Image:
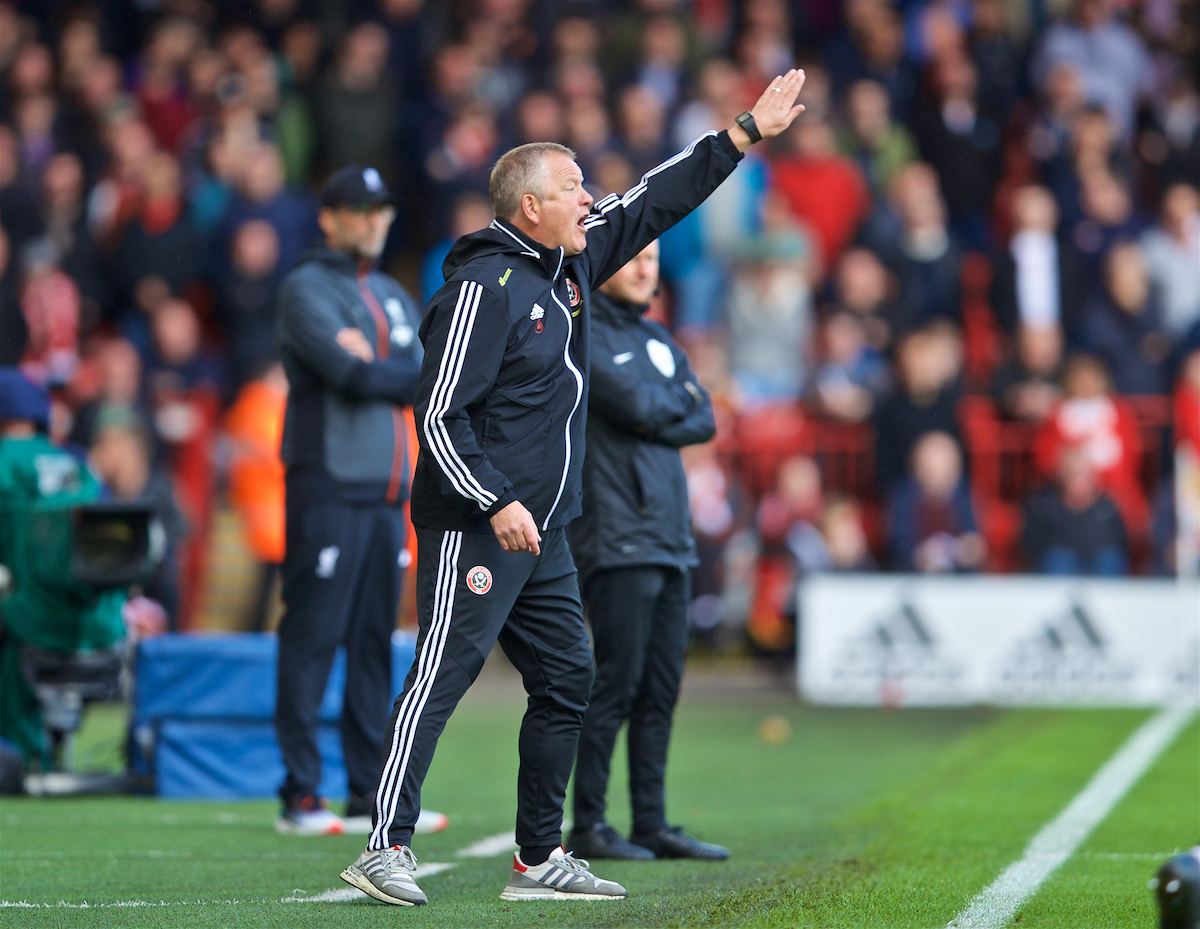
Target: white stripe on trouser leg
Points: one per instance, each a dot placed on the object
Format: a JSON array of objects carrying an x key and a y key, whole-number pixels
[
  {"x": 391, "y": 779},
  {"x": 422, "y": 660}
]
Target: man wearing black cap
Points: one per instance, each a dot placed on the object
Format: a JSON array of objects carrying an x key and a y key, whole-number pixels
[{"x": 348, "y": 335}]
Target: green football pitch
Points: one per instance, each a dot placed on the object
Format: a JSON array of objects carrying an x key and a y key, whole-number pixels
[{"x": 843, "y": 818}]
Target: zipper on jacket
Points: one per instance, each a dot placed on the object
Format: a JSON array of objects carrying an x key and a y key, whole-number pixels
[
  {"x": 578, "y": 396},
  {"x": 383, "y": 337}
]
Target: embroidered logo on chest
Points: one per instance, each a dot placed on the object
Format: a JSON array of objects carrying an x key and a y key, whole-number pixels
[
  {"x": 572, "y": 294},
  {"x": 536, "y": 315}
]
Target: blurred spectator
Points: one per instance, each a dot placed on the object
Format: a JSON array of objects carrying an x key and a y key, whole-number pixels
[
  {"x": 998, "y": 57},
  {"x": 844, "y": 536},
  {"x": 1049, "y": 137},
  {"x": 1172, "y": 253},
  {"x": 540, "y": 118},
  {"x": 864, "y": 287},
  {"x": 178, "y": 363},
  {"x": 879, "y": 145},
  {"x": 121, "y": 456},
  {"x": 1027, "y": 387},
  {"x": 17, "y": 204},
  {"x": 1036, "y": 282},
  {"x": 853, "y": 375},
  {"x": 472, "y": 212},
  {"x": 641, "y": 127},
  {"x": 159, "y": 82},
  {"x": 825, "y": 190},
  {"x": 928, "y": 364},
  {"x": 962, "y": 143},
  {"x": 769, "y": 313},
  {"x": 14, "y": 332},
  {"x": 67, "y": 230},
  {"x": 872, "y": 46},
  {"x": 931, "y": 525},
  {"x": 356, "y": 103},
  {"x": 1107, "y": 218},
  {"x": 160, "y": 241},
  {"x": 50, "y": 304},
  {"x": 1072, "y": 527},
  {"x": 263, "y": 195},
  {"x": 1174, "y": 141},
  {"x": 118, "y": 382},
  {"x": 1100, "y": 426},
  {"x": 246, "y": 298},
  {"x": 927, "y": 259},
  {"x": 1109, "y": 56},
  {"x": 1123, "y": 325}
]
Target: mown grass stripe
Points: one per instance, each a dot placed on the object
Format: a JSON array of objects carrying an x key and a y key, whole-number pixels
[{"x": 995, "y": 907}]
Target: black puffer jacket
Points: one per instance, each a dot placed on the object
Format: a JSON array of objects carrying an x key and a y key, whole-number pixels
[
  {"x": 502, "y": 400},
  {"x": 645, "y": 404}
]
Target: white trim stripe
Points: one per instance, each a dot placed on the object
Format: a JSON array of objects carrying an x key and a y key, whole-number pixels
[
  {"x": 578, "y": 396},
  {"x": 996, "y": 906},
  {"x": 525, "y": 249},
  {"x": 391, "y": 780},
  {"x": 436, "y": 434},
  {"x": 640, "y": 188}
]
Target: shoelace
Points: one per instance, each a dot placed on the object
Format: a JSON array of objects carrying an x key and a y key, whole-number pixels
[
  {"x": 399, "y": 854},
  {"x": 569, "y": 862}
]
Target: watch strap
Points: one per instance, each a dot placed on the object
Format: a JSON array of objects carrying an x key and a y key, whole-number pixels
[{"x": 746, "y": 121}]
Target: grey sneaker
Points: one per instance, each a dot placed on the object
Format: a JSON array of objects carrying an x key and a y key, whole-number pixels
[
  {"x": 387, "y": 875},
  {"x": 561, "y": 877}
]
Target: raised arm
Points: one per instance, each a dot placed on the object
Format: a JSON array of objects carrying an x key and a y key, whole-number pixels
[{"x": 620, "y": 227}]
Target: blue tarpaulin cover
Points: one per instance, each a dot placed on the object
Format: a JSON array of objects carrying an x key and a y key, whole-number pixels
[{"x": 203, "y": 710}]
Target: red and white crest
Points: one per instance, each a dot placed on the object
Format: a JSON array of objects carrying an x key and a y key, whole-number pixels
[
  {"x": 572, "y": 293},
  {"x": 479, "y": 580}
]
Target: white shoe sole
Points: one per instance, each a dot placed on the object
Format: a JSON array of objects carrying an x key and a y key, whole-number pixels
[
  {"x": 284, "y": 827},
  {"x": 356, "y": 878},
  {"x": 556, "y": 895}
]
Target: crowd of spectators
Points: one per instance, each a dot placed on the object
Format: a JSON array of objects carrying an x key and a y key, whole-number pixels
[{"x": 157, "y": 167}]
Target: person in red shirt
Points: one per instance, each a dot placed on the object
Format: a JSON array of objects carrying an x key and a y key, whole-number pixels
[
  {"x": 1098, "y": 423},
  {"x": 825, "y": 190}
]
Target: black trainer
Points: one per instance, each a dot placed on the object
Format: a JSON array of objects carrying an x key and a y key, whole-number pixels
[
  {"x": 603, "y": 841},
  {"x": 670, "y": 842}
]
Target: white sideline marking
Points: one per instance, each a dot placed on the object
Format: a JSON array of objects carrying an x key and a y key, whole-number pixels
[
  {"x": 995, "y": 906},
  {"x": 492, "y": 845}
]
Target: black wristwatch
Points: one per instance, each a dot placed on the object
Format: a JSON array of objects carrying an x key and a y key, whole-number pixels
[{"x": 746, "y": 121}]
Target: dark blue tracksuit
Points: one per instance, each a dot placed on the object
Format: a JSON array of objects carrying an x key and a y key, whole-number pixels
[
  {"x": 347, "y": 476},
  {"x": 635, "y": 549},
  {"x": 501, "y": 413}
]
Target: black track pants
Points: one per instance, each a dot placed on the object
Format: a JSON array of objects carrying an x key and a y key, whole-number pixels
[
  {"x": 471, "y": 593},
  {"x": 341, "y": 586},
  {"x": 639, "y": 631}
]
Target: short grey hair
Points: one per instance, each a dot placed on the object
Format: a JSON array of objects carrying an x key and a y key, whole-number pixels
[{"x": 520, "y": 171}]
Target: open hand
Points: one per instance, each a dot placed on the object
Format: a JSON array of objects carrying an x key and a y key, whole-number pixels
[
  {"x": 353, "y": 341},
  {"x": 775, "y": 109},
  {"x": 515, "y": 529}
]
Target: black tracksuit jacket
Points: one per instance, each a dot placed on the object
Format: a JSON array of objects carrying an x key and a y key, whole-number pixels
[
  {"x": 502, "y": 400},
  {"x": 343, "y": 436},
  {"x": 635, "y": 502}
]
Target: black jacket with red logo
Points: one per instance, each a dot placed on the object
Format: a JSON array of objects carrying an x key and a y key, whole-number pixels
[
  {"x": 343, "y": 435},
  {"x": 501, "y": 404}
]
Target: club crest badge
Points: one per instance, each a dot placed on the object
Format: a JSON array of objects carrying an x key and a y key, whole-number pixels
[
  {"x": 572, "y": 293},
  {"x": 479, "y": 580}
]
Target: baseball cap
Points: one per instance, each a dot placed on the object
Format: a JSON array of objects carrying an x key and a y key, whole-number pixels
[
  {"x": 20, "y": 398},
  {"x": 355, "y": 185}
]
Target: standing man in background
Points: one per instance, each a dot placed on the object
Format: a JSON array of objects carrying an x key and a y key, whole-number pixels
[
  {"x": 349, "y": 338},
  {"x": 635, "y": 550},
  {"x": 501, "y": 411}
]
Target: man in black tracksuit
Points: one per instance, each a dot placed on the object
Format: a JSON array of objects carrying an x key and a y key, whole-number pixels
[
  {"x": 634, "y": 548},
  {"x": 501, "y": 409},
  {"x": 348, "y": 334}
]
